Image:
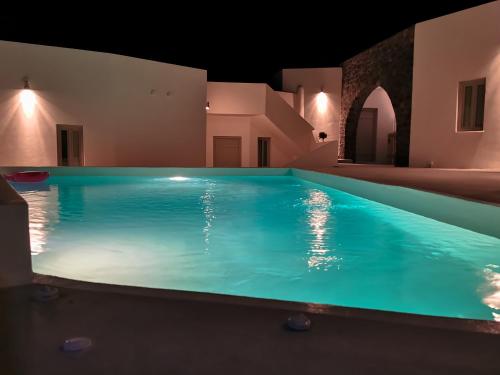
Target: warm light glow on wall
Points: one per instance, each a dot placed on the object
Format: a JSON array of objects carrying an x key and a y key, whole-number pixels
[
  {"x": 322, "y": 102},
  {"x": 28, "y": 98},
  {"x": 28, "y": 102}
]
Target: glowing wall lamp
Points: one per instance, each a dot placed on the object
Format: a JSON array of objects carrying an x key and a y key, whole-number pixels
[
  {"x": 28, "y": 99},
  {"x": 207, "y": 107},
  {"x": 322, "y": 101}
]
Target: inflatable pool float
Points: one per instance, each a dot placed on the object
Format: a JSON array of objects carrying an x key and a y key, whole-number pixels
[{"x": 28, "y": 176}]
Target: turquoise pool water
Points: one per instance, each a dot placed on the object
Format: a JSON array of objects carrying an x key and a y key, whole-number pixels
[{"x": 277, "y": 237}]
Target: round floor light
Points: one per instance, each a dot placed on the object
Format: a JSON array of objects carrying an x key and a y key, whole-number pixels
[
  {"x": 76, "y": 344},
  {"x": 44, "y": 293},
  {"x": 298, "y": 322}
]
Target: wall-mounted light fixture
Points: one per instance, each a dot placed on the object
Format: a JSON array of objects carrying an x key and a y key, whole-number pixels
[
  {"x": 26, "y": 83},
  {"x": 28, "y": 98},
  {"x": 322, "y": 101},
  {"x": 207, "y": 107}
]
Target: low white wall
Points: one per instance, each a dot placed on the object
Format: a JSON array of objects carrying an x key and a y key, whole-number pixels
[
  {"x": 15, "y": 254},
  {"x": 458, "y": 47},
  {"x": 133, "y": 112},
  {"x": 478, "y": 217},
  {"x": 324, "y": 155}
]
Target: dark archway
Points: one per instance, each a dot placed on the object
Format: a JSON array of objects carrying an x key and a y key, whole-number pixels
[{"x": 389, "y": 65}]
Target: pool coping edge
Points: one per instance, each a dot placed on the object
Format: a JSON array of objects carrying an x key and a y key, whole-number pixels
[{"x": 382, "y": 316}]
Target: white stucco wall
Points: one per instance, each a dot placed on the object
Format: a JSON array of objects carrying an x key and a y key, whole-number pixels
[
  {"x": 250, "y": 128},
  {"x": 458, "y": 47},
  {"x": 288, "y": 97},
  {"x": 124, "y": 123},
  {"x": 230, "y": 98},
  {"x": 253, "y": 110},
  {"x": 324, "y": 117},
  {"x": 282, "y": 150},
  {"x": 386, "y": 121},
  {"x": 229, "y": 126}
]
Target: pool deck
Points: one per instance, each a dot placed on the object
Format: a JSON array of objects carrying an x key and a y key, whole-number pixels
[
  {"x": 152, "y": 334},
  {"x": 477, "y": 185}
]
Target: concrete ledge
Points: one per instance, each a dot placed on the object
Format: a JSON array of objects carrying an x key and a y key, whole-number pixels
[
  {"x": 8, "y": 195},
  {"x": 474, "y": 216},
  {"x": 324, "y": 155},
  {"x": 468, "y": 325},
  {"x": 15, "y": 254}
]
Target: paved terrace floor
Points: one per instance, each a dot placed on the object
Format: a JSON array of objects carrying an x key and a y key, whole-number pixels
[
  {"x": 150, "y": 335},
  {"x": 477, "y": 185}
]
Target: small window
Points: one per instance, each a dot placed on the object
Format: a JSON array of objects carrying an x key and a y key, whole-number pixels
[{"x": 471, "y": 95}]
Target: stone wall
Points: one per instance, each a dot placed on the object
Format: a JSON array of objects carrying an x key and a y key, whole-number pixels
[{"x": 388, "y": 64}]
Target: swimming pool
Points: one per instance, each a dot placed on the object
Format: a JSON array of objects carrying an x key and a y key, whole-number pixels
[{"x": 279, "y": 237}]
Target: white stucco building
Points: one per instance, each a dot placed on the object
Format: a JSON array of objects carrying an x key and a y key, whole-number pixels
[{"x": 62, "y": 106}]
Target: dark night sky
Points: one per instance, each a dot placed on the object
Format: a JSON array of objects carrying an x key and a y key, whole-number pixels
[{"x": 246, "y": 42}]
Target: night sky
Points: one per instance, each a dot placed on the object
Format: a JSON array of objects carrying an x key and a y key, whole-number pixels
[{"x": 242, "y": 41}]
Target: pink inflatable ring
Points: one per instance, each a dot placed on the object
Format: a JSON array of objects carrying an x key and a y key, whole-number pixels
[{"x": 28, "y": 176}]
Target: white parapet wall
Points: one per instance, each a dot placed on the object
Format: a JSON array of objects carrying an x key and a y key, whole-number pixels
[
  {"x": 474, "y": 216},
  {"x": 15, "y": 254},
  {"x": 323, "y": 156}
]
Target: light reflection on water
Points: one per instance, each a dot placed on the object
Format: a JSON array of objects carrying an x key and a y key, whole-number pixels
[
  {"x": 493, "y": 284},
  {"x": 318, "y": 213},
  {"x": 43, "y": 213},
  {"x": 207, "y": 200}
]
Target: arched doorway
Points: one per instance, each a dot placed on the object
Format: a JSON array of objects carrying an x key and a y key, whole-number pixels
[
  {"x": 389, "y": 64},
  {"x": 376, "y": 130}
]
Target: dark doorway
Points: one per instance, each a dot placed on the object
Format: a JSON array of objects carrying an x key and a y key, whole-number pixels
[
  {"x": 264, "y": 152},
  {"x": 70, "y": 145},
  {"x": 366, "y": 136}
]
